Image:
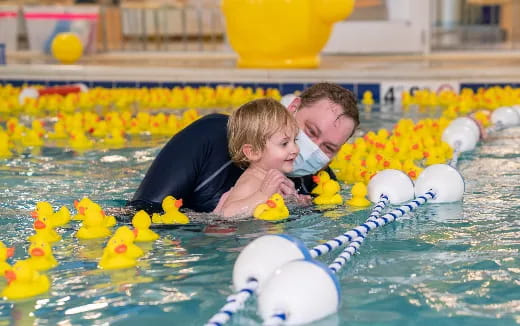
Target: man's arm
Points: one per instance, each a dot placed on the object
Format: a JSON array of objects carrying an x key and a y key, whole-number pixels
[{"x": 176, "y": 169}]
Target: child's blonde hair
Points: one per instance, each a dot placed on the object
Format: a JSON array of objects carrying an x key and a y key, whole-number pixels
[{"x": 254, "y": 123}]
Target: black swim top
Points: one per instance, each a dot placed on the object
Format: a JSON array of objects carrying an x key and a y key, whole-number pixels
[{"x": 195, "y": 165}]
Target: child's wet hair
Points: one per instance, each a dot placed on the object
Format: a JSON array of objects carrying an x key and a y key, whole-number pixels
[{"x": 254, "y": 123}]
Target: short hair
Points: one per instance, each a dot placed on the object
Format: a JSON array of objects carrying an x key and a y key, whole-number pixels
[
  {"x": 335, "y": 93},
  {"x": 254, "y": 123}
]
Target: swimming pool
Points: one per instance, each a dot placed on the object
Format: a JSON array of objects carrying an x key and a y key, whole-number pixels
[{"x": 445, "y": 264}]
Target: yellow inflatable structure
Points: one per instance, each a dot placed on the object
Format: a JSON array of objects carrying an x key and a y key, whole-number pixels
[{"x": 281, "y": 34}]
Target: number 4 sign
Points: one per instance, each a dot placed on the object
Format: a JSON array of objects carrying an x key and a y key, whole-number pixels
[{"x": 391, "y": 91}]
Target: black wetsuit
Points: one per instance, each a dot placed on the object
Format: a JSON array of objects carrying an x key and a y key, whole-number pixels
[{"x": 195, "y": 166}]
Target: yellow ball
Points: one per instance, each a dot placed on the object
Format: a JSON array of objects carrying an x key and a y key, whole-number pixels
[{"x": 67, "y": 48}]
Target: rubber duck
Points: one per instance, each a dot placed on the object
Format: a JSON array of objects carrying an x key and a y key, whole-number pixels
[
  {"x": 128, "y": 236},
  {"x": 320, "y": 179},
  {"x": 368, "y": 98},
  {"x": 359, "y": 191},
  {"x": 78, "y": 140},
  {"x": 43, "y": 208},
  {"x": 157, "y": 218},
  {"x": 41, "y": 258},
  {"x": 411, "y": 169},
  {"x": 4, "y": 146},
  {"x": 273, "y": 209},
  {"x": 84, "y": 204},
  {"x": 116, "y": 256},
  {"x": 44, "y": 231},
  {"x": 141, "y": 222},
  {"x": 93, "y": 226},
  {"x": 330, "y": 194},
  {"x": 59, "y": 131},
  {"x": 171, "y": 214},
  {"x": 115, "y": 138},
  {"x": 5, "y": 253},
  {"x": 61, "y": 217},
  {"x": 245, "y": 20},
  {"x": 80, "y": 207},
  {"x": 24, "y": 281},
  {"x": 109, "y": 220},
  {"x": 32, "y": 139}
]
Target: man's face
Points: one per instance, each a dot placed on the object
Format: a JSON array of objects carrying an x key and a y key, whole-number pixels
[{"x": 324, "y": 123}]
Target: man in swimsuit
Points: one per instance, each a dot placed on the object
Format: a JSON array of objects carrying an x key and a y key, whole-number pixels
[{"x": 195, "y": 164}]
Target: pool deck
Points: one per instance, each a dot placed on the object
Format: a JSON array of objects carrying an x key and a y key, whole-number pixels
[{"x": 485, "y": 67}]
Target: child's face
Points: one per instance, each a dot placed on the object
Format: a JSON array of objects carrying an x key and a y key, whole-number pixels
[{"x": 280, "y": 152}]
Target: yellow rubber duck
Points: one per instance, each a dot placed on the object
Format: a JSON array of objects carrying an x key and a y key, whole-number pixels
[
  {"x": 128, "y": 236},
  {"x": 5, "y": 253},
  {"x": 359, "y": 191},
  {"x": 60, "y": 218},
  {"x": 330, "y": 194},
  {"x": 109, "y": 220},
  {"x": 141, "y": 222},
  {"x": 115, "y": 138},
  {"x": 171, "y": 214},
  {"x": 24, "y": 281},
  {"x": 4, "y": 146},
  {"x": 59, "y": 131},
  {"x": 80, "y": 206},
  {"x": 368, "y": 98},
  {"x": 43, "y": 208},
  {"x": 32, "y": 139},
  {"x": 44, "y": 231},
  {"x": 41, "y": 258},
  {"x": 273, "y": 209},
  {"x": 320, "y": 179},
  {"x": 93, "y": 226},
  {"x": 85, "y": 204},
  {"x": 116, "y": 256}
]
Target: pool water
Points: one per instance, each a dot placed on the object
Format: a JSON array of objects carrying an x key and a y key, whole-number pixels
[{"x": 445, "y": 264}]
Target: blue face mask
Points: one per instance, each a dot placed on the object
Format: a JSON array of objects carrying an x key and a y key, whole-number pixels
[{"x": 311, "y": 158}]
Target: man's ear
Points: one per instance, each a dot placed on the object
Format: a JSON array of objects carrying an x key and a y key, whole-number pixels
[
  {"x": 295, "y": 105},
  {"x": 250, "y": 153}
]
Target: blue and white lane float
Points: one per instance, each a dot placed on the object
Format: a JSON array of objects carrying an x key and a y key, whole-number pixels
[
  {"x": 257, "y": 269},
  {"x": 388, "y": 186},
  {"x": 254, "y": 265},
  {"x": 284, "y": 297}
]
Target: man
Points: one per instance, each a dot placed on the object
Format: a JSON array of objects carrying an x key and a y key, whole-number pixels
[{"x": 195, "y": 164}]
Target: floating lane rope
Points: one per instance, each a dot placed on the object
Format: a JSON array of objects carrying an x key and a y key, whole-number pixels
[
  {"x": 357, "y": 234},
  {"x": 233, "y": 303},
  {"x": 345, "y": 238}
]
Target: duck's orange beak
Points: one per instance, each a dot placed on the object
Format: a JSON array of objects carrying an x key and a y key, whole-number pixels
[
  {"x": 178, "y": 203},
  {"x": 271, "y": 203},
  {"x": 34, "y": 214},
  {"x": 136, "y": 232},
  {"x": 39, "y": 225},
  {"x": 121, "y": 249},
  {"x": 9, "y": 252},
  {"x": 412, "y": 174},
  {"x": 316, "y": 179},
  {"x": 76, "y": 203},
  {"x": 81, "y": 210},
  {"x": 10, "y": 275},
  {"x": 103, "y": 213},
  {"x": 38, "y": 252}
]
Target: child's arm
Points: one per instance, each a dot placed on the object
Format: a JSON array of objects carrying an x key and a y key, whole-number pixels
[{"x": 249, "y": 192}]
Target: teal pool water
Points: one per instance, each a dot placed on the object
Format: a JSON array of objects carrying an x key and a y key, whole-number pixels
[{"x": 446, "y": 264}]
